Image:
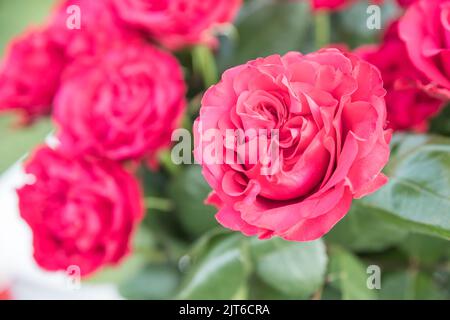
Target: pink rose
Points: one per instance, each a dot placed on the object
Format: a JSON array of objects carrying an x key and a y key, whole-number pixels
[
  {"x": 405, "y": 3},
  {"x": 82, "y": 211},
  {"x": 425, "y": 28},
  {"x": 30, "y": 75},
  {"x": 178, "y": 23},
  {"x": 327, "y": 110},
  {"x": 121, "y": 105},
  {"x": 407, "y": 105},
  {"x": 98, "y": 29}
]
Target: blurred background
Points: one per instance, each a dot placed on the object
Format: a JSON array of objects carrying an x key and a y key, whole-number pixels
[
  {"x": 180, "y": 251},
  {"x": 20, "y": 277}
]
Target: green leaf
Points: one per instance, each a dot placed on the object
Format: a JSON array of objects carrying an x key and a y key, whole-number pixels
[
  {"x": 259, "y": 290},
  {"x": 221, "y": 272},
  {"x": 188, "y": 192},
  {"x": 206, "y": 242},
  {"x": 410, "y": 285},
  {"x": 154, "y": 282},
  {"x": 330, "y": 293},
  {"x": 426, "y": 250},
  {"x": 119, "y": 273},
  {"x": 154, "y": 182},
  {"x": 17, "y": 142},
  {"x": 417, "y": 196},
  {"x": 266, "y": 29},
  {"x": 363, "y": 230},
  {"x": 296, "y": 269},
  {"x": 348, "y": 274}
]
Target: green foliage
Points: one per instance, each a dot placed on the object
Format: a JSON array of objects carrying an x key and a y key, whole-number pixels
[
  {"x": 204, "y": 63},
  {"x": 410, "y": 285},
  {"x": 20, "y": 140},
  {"x": 441, "y": 123},
  {"x": 348, "y": 275},
  {"x": 294, "y": 269},
  {"x": 17, "y": 16},
  {"x": 188, "y": 192},
  {"x": 364, "y": 230},
  {"x": 265, "y": 29},
  {"x": 350, "y": 25},
  {"x": 426, "y": 250},
  {"x": 154, "y": 282},
  {"x": 220, "y": 272},
  {"x": 235, "y": 267},
  {"x": 258, "y": 290}
]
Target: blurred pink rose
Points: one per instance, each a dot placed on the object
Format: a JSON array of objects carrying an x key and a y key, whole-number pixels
[
  {"x": 82, "y": 211},
  {"x": 425, "y": 29},
  {"x": 329, "y": 110},
  {"x": 122, "y": 105},
  {"x": 407, "y": 105},
  {"x": 178, "y": 23},
  {"x": 98, "y": 29},
  {"x": 405, "y": 3},
  {"x": 30, "y": 75},
  {"x": 5, "y": 295}
]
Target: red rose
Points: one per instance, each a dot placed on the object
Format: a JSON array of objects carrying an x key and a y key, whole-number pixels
[
  {"x": 30, "y": 75},
  {"x": 121, "y": 105},
  {"x": 82, "y": 211},
  {"x": 178, "y": 23},
  {"x": 407, "y": 105},
  {"x": 98, "y": 29},
  {"x": 425, "y": 28},
  {"x": 327, "y": 110}
]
